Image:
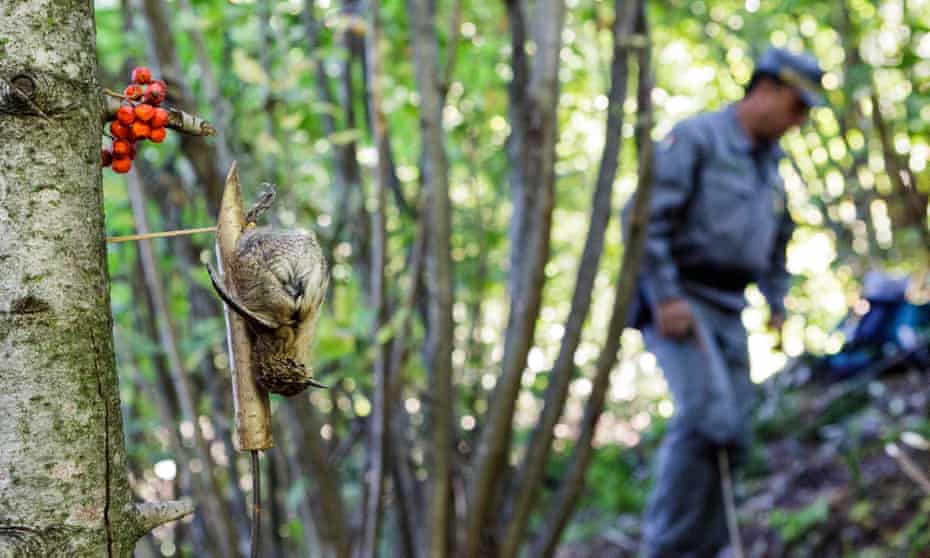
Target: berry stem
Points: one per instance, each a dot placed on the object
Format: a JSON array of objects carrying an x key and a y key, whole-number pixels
[
  {"x": 178, "y": 120},
  {"x": 111, "y": 93}
]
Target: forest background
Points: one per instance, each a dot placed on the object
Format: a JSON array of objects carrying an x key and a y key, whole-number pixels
[{"x": 517, "y": 295}]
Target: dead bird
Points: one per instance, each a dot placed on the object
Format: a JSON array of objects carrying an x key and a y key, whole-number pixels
[{"x": 280, "y": 280}]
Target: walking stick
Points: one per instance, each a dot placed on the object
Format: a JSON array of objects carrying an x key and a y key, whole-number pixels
[{"x": 726, "y": 483}]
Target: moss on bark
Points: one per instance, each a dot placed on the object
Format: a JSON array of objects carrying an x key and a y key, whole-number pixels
[{"x": 63, "y": 484}]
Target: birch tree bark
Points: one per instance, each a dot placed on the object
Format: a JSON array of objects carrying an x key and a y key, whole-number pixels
[{"x": 63, "y": 474}]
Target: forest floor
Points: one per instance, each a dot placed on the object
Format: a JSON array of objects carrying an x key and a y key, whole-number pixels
[{"x": 838, "y": 470}]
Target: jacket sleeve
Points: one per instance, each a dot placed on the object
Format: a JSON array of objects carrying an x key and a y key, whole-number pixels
[
  {"x": 774, "y": 284},
  {"x": 676, "y": 160}
]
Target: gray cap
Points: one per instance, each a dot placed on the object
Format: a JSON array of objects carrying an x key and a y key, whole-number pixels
[{"x": 801, "y": 71}]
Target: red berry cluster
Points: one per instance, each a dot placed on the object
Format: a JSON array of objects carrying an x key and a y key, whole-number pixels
[{"x": 139, "y": 118}]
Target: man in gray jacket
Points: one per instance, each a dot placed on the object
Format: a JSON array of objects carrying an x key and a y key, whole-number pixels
[{"x": 718, "y": 221}]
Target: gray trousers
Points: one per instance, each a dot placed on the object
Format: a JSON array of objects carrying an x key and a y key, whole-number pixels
[{"x": 708, "y": 376}]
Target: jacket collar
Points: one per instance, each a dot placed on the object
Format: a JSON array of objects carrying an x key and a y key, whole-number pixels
[{"x": 740, "y": 140}]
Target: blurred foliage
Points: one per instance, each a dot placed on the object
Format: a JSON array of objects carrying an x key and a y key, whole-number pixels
[
  {"x": 794, "y": 524},
  {"x": 914, "y": 539}
]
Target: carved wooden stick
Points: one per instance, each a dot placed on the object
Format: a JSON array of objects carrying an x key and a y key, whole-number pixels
[
  {"x": 252, "y": 408},
  {"x": 729, "y": 504}
]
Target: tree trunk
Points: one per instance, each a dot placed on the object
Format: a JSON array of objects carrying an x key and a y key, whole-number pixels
[
  {"x": 378, "y": 422},
  {"x": 325, "y": 479},
  {"x": 353, "y": 214},
  {"x": 410, "y": 512},
  {"x": 534, "y": 100},
  {"x": 198, "y": 151},
  {"x": 63, "y": 476},
  {"x": 211, "y": 88},
  {"x": 914, "y": 210},
  {"x": 439, "y": 352},
  {"x": 345, "y": 171}
]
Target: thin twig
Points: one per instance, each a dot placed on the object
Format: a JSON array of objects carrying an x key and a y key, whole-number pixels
[
  {"x": 178, "y": 120},
  {"x": 262, "y": 205},
  {"x": 162, "y": 234},
  {"x": 910, "y": 468},
  {"x": 256, "y": 505}
]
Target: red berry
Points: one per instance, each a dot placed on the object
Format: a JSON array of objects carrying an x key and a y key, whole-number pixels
[
  {"x": 144, "y": 112},
  {"x": 121, "y": 149},
  {"x": 160, "y": 118},
  {"x": 132, "y": 150},
  {"x": 155, "y": 93},
  {"x": 140, "y": 130},
  {"x": 122, "y": 165},
  {"x": 133, "y": 91},
  {"x": 157, "y": 135},
  {"x": 125, "y": 115},
  {"x": 142, "y": 75},
  {"x": 105, "y": 157},
  {"x": 120, "y": 130}
]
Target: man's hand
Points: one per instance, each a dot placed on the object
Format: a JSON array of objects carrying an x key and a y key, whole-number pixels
[
  {"x": 674, "y": 318},
  {"x": 776, "y": 323}
]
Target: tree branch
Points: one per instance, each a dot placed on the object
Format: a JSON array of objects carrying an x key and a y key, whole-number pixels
[
  {"x": 539, "y": 448},
  {"x": 150, "y": 515},
  {"x": 179, "y": 120}
]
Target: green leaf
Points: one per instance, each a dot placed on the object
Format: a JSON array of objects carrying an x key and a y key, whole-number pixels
[
  {"x": 344, "y": 137},
  {"x": 248, "y": 69},
  {"x": 793, "y": 524}
]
